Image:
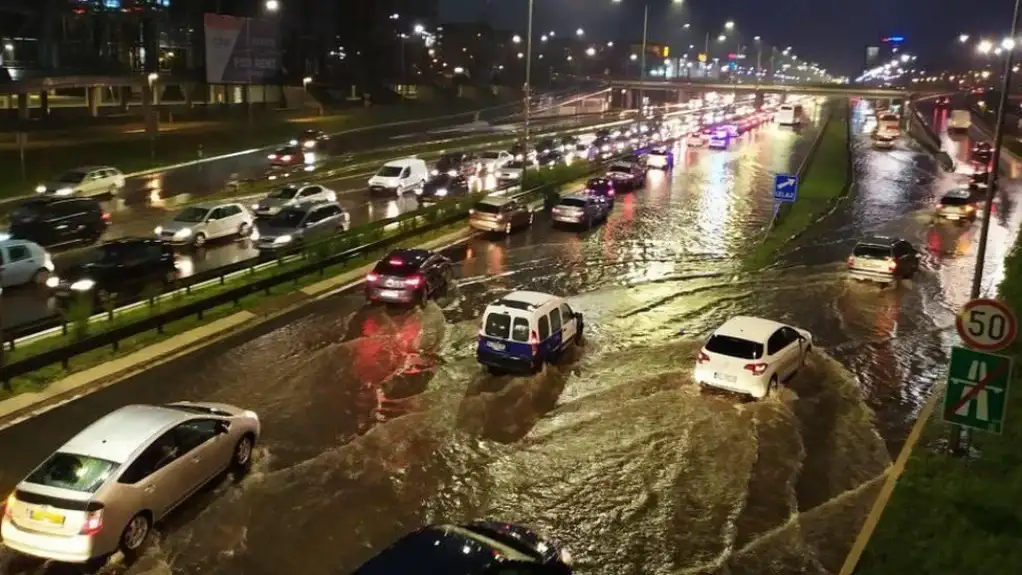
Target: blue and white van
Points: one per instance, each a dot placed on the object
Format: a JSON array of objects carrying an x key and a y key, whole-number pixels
[{"x": 524, "y": 329}]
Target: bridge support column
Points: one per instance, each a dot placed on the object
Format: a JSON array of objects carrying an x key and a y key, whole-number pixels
[
  {"x": 629, "y": 99},
  {"x": 93, "y": 95},
  {"x": 23, "y": 106},
  {"x": 44, "y": 104}
]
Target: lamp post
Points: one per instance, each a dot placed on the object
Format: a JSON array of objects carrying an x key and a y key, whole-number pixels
[
  {"x": 958, "y": 441},
  {"x": 528, "y": 89}
]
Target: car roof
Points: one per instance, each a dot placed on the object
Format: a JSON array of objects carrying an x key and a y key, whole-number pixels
[
  {"x": 7, "y": 240},
  {"x": 47, "y": 200},
  {"x": 130, "y": 241},
  {"x": 410, "y": 256},
  {"x": 495, "y": 200},
  {"x": 444, "y": 549},
  {"x": 887, "y": 241},
  {"x": 531, "y": 298},
  {"x": 403, "y": 162},
  {"x": 117, "y": 435},
  {"x": 749, "y": 328},
  {"x": 211, "y": 205}
]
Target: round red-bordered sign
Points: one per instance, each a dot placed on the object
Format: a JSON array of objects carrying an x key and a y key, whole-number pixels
[{"x": 986, "y": 325}]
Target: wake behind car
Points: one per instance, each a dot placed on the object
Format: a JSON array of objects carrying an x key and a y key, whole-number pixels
[
  {"x": 85, "y": 181},
  {"x": 105, "y": 488},
  {"x": 883, "y": 259},
  {"x": 292, "y": 195},
  {"x": 626, "y": 174},
  {"x": 479, "y": 548},
  {"x": 115, "y": 271},
  {"x": 883, "y": 142},
  {"x": 956, "y": 205},
  {"x": 296, "y": 226},
  {"x": 444, "y": 186},
  {"x": 53, "y": 221},
  {"x": 195, "y": 225},
  {"x": 499, "y": 214},
  {"x": 524, "y": 329},
  {"x": 408, "y": 276},
  {"x": 752, "y": 356},
  {"x": 581, "y": 209}
]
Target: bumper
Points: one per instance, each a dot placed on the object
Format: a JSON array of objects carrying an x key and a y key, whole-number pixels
[
  {"x": 392, "y": 295},
  {"x": 382, "y": 190},
  {"x": 756, "y": 386},
  {"x": 504, "y": 362},
  {"x": 871, "y": 275},
  {"x": 73, "y": 549},
  {"x": 568, "y": 218},
  {"x": 487, "y": 225},
  {"x": 267, "y": 213},
  {"x": 956, "y": 216},
  {"x": 270, "y": 247}
]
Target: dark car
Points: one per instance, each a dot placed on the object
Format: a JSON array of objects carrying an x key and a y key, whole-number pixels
[
  {"x": 982, "y": 152},
  {"x": 629, "y": 175},
  {"x": 50, "y": 221},
  {"x": 455, "y": 163},
  {"x": 551, "y": 159},
  {"x": 518, "y": 152},
  {"x": 310, "y": 140},
  {"x": 548, "y": 145},
  {"x": 444, "y": 186},
  {"x": 117, "y": 271},
  {"x": 287, "y": 156},
  {"x": 603, "y": 187},
  {"x": 603, "y": 146},
  {"x": 408, "y": 276},
  {"x": 980, "y": 178},
  {"x": 481, "y": 548}
]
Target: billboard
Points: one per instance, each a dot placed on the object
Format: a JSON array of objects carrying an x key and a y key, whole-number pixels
[{"x": 241, "y": 50}]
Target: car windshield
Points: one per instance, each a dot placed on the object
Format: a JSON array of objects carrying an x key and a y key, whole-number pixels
[
  {"x": 449, "y": 160},
  {"x": 71, "y": 177},
  {"x": 734, "y": 347},
  {"x": 71, "y": 471},
  {"x": 954, "y": 201},
  {"x": 287, "y": 152},
  {"x": 486, "y": 208},
  {"x": 192, "y": 215},
  {"x": 872, "y": 252},
  {"x": 573, "y": 202},
  {"x": 283, "y": 193},
  {"x": 515, "y": 165},
  {"x": 389, "y": 171},
  {"x": 287, "y": 219},
  {"x": 107, "y": 254},
  {"x": 620, "y": 168}
]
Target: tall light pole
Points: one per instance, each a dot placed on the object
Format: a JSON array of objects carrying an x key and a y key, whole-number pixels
[
  {"x": 958, "y": 434},
  {"x": 528, "y": 89}
]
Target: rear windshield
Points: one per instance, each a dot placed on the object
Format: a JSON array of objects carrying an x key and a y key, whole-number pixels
[
  {"x": 74, "y": 472},
  {"x": 620, "y": 168},
  {"x": 71, "y": 177},
  {"x": 598, "y": 185},
  {"x": 395, "y": 266},
  {"x": 27, "y": 212},
  {"x": 573, "y": 202},
  {"x": 486, "y": 208},
  {"x": 284, "y": 193},
  {"x": 954, "y": 201},
  {"x": 289, "y": 218},
  {"x": 500, "y": 325},
  {"x": 491, "y": 155},
  {"x": 888, "y": 118},
  {"x": 735, "y": 347},
  {"x": 872, "y": 252}
]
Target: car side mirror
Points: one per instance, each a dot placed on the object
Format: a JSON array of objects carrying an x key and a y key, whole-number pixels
[{"x": 222, "y": 427}]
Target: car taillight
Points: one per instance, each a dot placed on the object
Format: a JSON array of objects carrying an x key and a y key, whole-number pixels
[
  {"x": 851, "y": 260},
  {"x": 470, "y": 212},
  {"x": 703, "y": 358},
  {"x": 414, "y": 281},
  {"x": 105, "y": 216},
  {"x": 286, "y": 158},
  {"x": 271, "y": 157},
  {"x": 534, "y": 342},
  {"x": 93, "y": 523},
  {"x": 940, "y": 206},
  {"x": 372, "y": 277},
  {"x": 9, "y": 506},
  {"x": 891, "y": 264},
  {"x": 756, "y": 368}
]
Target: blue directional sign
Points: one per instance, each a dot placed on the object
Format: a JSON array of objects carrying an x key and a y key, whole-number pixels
[{"x": 785, "y": 188}]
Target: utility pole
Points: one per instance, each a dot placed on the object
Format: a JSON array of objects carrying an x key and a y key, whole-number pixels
[
  {"x": 958, "y": 441},
  {"x": 642, "y": 73},
  {"x": 528, "y": 90}
]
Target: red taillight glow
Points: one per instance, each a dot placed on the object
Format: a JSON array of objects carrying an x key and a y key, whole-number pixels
[
  {"x": 703, "y": 358},
  {"x": 106, "y": 216},
  {"x": 940, "y": 206},
  {"x": 286, "y": 158},
  {"x": 534, "y": 342},
  {"x": 372, "y": 277},
  {"x": 891, "y": 264},
  {"x": 396, "y": 262},
  {"x": 414, "y": 281},
  {"x": 756, "y": 368},
  {"x": 93, "y": 523},
  {"x": 851, "y": 260}
]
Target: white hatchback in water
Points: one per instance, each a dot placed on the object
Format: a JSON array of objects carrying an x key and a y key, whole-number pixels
[{"x": 751, "y": 355}]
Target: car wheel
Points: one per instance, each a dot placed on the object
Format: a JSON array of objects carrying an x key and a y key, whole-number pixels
[
  {"x": 40, "y": 276},
  {"x": 532, "y": 217},
  {"x": 199, "y": 240},
  {"x": 241, "y": 459},
  {"x": 135, "y": 534},
  {"x": 772, "y": 386},
  {"x": 244, "y": 230},
  {"x": 112, "y": 191},
  {"x": 507, "y": 228}
]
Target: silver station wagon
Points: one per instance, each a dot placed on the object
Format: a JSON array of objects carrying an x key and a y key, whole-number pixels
[{"x": 103, "y": 490}]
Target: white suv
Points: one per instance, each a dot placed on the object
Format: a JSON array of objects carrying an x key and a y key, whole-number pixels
[{"x": 87, "y": 181}]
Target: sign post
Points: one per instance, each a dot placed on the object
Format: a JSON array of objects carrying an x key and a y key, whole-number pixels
[{"x": 977, "y": 384}]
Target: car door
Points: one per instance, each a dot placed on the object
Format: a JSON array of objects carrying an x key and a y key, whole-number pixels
[
  {"x": 569, "y": 325},
  {"x": 63, "y": 221},
  {"x": 309, "y": 193},
  {"x": 404, "y": 181},
  {"x": 215, "y": 222},
  {"x": 203, "y": 444},
  {"x": 154, "y": 478},
  {"x": 776, "y": 355},
  {"x": 791, "y": 350},
  {"x": 235, "y": 217},
  {"x": 18, "y": 265},
  {"x": 315, "y": 226}
]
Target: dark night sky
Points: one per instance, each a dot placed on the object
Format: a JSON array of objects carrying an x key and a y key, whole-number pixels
[{"x": 832, "y": 32}]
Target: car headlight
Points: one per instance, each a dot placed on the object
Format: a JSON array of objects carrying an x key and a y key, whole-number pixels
[
  {"x": 40, "y": 189},
  {"x": 434, "y": 172},
  {"x": 52, "y": 282},
  {"x": 158, "y": 230},
  {"x": 514, "y": 175},
  {"x": 182, "y": 233},
  {"x": 65, "y": 191},
  {"x": 282, "y": 240},
  {"x": 452, "y": 173},
  {"x": 254, "y": 207},
  {"x": 293, "y": 142},
  {"x": 441, "y": 192},
  {"x": 309, "y": 144},
  {"x": 83, "y": 285}
]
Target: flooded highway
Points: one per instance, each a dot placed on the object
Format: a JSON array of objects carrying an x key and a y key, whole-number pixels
[{"x": 377, "y": 421}]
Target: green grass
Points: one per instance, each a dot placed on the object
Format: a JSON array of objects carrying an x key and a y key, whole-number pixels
[
  {"x": 823, "y": 182},
  {"x": 134, "y": 153},
  {"x": 952, "y": 515},
  {"x": 552, "y": 181}
]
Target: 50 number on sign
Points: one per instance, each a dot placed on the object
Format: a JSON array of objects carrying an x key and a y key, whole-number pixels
[{"x": 986, "y": 325}]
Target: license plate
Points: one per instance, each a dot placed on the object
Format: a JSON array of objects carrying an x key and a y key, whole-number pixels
[
  {"x": 389, "y": 293},
  {"x": 46, "y": 517},
  {"x": 951, "y": 217},
  {"x": 725, "y": 377},
  {"x": 392, "y": 283},
  {"x": 496, "y": 345}
]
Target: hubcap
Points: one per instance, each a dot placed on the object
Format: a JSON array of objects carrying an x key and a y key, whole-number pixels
[
  {"x": 244, "y": 452},
  {"x": 200, "y": 239},
  {"x": 136, "y": 532}
]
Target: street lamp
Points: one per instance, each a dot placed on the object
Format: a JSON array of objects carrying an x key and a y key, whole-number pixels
[
  {"x": 580, "y": 32},
  {"x": 721, "y": 38},
  {"x": 590, "y": 51},
  {"x": 419, "y": 29},
  {"x": 729, "y": 25},
  {"x": 272, "y": 5},
  {"x": 963, "y": 38},
  {"x": 985, "y": 46},
  {"x": 516, "y": 39}
]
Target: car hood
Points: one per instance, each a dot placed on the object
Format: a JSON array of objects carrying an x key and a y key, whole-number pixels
[
  {"x": 82, "y": 271},
  {"x": 54, "y": 186},
  {"x": 274, "y": 202},
  {"x": 268, "y": 231},
  {"x": 383, "y": 181}
]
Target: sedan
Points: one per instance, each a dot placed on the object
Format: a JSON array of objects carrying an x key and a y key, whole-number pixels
[
  {"x": 106, "y": 488},
  {"x": 292, "y": 195},
  {"x": 751, "y": 356},
  {"x": 441, "y": 187}
]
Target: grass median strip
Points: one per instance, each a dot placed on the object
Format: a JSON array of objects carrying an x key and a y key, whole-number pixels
[
  {"x": 958, "y": 515},
  {"x": 824, "y": 182}
]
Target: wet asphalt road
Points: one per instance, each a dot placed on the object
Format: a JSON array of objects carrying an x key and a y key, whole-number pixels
[
  {"x": 613, "y": 450},
  {"x": 377, "y": 421}
]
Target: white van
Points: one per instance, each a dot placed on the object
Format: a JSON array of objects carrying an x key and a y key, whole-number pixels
[
  {"x": 960, "y": 121},
  {"x": 789, "y": 115},
  {"x": 524, "y": 329},
  {"x": 399, "y": 176}
]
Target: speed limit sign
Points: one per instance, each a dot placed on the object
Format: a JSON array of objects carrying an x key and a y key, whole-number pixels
[{"x": 986, "y": 325}]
